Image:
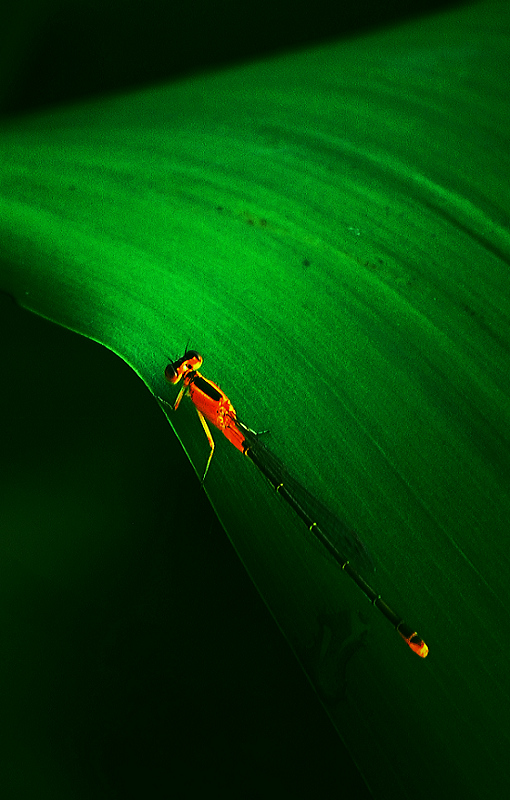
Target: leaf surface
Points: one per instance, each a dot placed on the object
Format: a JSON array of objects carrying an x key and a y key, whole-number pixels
[{"x": 330, "y": 230}]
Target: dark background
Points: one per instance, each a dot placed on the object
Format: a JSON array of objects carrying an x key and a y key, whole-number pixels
[
  {"x": 64, "y": 50},
  {"x": 156, "y": 670}
]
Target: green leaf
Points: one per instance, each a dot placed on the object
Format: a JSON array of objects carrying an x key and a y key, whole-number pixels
[{"x": 330, "y": 230}]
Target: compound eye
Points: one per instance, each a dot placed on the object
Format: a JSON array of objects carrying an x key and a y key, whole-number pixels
[
  {"x": 171, "y": 374},
  {"x": 193, "y": 360}
]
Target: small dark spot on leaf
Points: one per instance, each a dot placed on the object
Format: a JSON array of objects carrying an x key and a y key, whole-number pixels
[
  {"x": 72, "y": 188},
  {"x": 263, "y": 222},
  {"x": 469, "y": 310},
  {"x": 306, "y": 262},
  {"x": 219, "y": 208}
]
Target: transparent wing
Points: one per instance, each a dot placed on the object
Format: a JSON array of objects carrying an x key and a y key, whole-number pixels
[{"x": 345, "y": 539}]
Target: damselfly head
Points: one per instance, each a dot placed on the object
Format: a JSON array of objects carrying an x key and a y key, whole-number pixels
[{"x": 190, "y": 362}]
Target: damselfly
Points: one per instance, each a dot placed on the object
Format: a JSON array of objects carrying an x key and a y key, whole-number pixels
[{"x": 213, "y": 406}]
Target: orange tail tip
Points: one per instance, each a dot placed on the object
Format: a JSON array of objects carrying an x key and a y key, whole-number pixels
[{"x": 417, "y": 645}]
